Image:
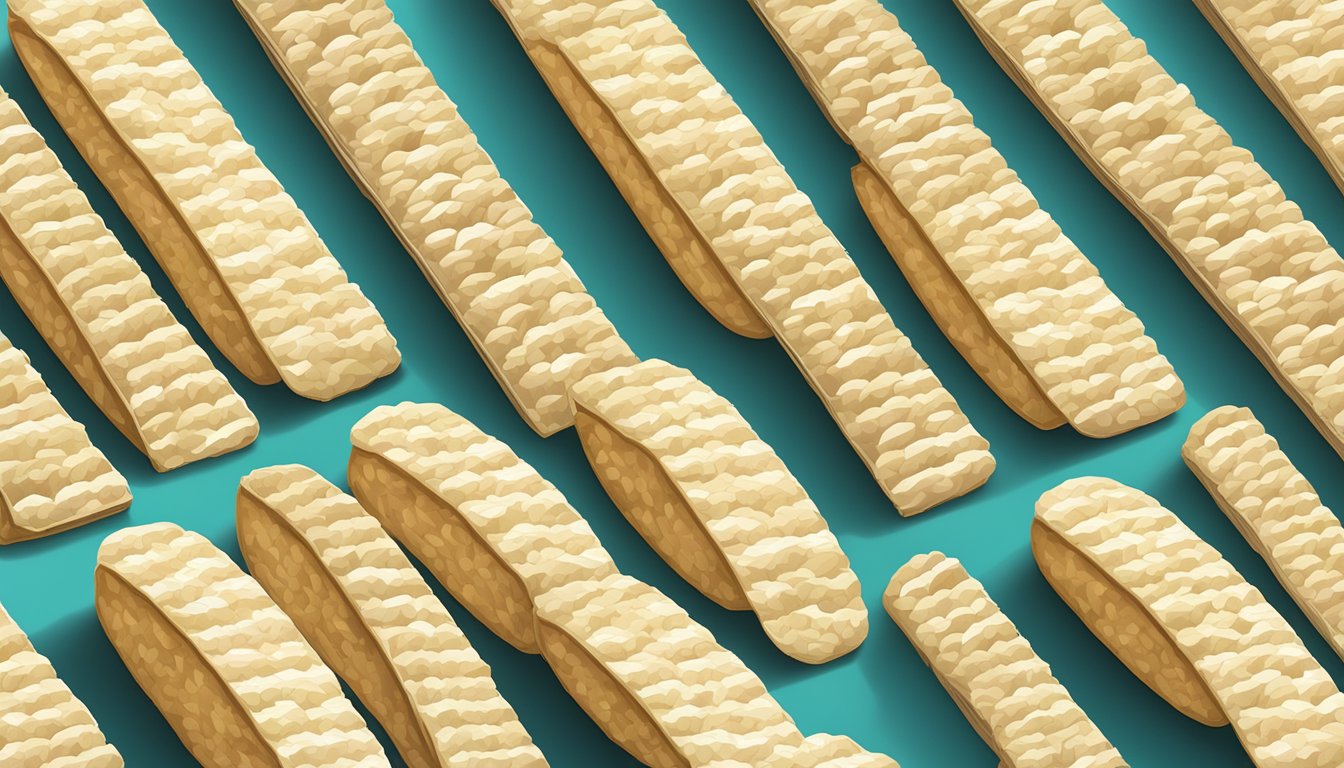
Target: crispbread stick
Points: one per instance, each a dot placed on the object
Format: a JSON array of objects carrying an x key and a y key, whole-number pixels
[
  {"x": 403, "y": 141},
  {"x": 1293, "y": 50},
  {"x": 1276, "y": 509},
  {"x": 247, "y": 262},
  {"x": 1267, "y": 271},
  {"x": 374, "y": 620},
  {"x": 715, "y": 501},
  {"x": 436, "y": 483},
  {"x": 98, "y": 311},
  {"x": 1005, "y": 690},
  {"x": 1023, "y": 304},
  {"x": 41, "y": 721},
  {"x": 629, "y": 65},
  {"x": 226, "y": 667},
  {"x": 654, "y": 680},
  {"x": 51, "y": 477},
  {"x": 1186, "y": 623}
]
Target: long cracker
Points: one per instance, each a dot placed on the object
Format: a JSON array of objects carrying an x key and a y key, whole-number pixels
[
  {"x": 1005, "y": 690},
  {"x": 654, "y": 680},
  {"x": 42, "y": 723},
  {"x": 1276, "y": 509},
  {"x": 226, "y": 667},
  {"x": 1293, "y": 50},
  {"x": 625, "y": 73},
  {"x": 1268, "y": 272},
  {"x": 373, "y": 619},
  {"x": 98, "y": 311},
  {"x": 1186, "y": 623},
  {"x": 719, "y": 505},
  {"x": 246, "y": 260},
  {"x": 404, "y": 143},
  {"x": 51, "y": 477},
  {"x": 1024, "y": 306}
]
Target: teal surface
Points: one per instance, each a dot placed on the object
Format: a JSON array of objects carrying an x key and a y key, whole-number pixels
[{"x": 881, "y": 695}]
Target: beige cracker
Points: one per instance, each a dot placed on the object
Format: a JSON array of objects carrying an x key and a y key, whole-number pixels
[
  {"x": 1295, "y": 51},
  {"x": 1265, "y": 269},
  {"x": 1005, "y": 690},
  {"x": 403, "y": 141},
  {"x": 371, "y": 616},
  {"x": 51, "y": 477},
  {"x": 1012, "y": 292},
  {"x": 1276, "y": 509},
  {"x": 98, "y": 311},
  {"x": 715, "y": 501},
  {"x": 244, "y": 257},
  {"x": 41, "y": 721},
  {"x": 626, "y": 63},
  {"x": 226, "y": 667},
  {"x": 1186, "y": 623},
  {"x": 654, "y": 680}
]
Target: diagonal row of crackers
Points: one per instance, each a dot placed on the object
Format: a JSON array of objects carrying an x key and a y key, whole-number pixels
[
  {"x": 549, "y": 345},
  {"x": 509, "y": 546},
  {"x": 1268, "y": 271},
  {"x": 246, "y": 260},
  {"x": 96, "y": 308},
  {"x": 713, "y": 166},
  {"x": 370, "y": 615},
  {"x": 1024, "y": 306},
  {"x": 1293, "y": 50}
]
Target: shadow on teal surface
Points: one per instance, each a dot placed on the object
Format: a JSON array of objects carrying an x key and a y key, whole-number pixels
[{"x": 881, "y": 695}]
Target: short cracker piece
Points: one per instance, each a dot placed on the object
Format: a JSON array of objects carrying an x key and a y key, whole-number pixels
[
  {"x": 98, "y": 311},
  {"x": 41, "y": 721},
  {"x": 51, "y": 477},
  {"x": 719, "y": 505},
  {"x": 1005, "y": 690},
  {"x": 491, "y": 529},
  {"x": 245, "y": 259},
  {"x": 403, "y": 141},
  {"x": 1293, "y": 50},
  {"x": 1186, "y": 623},
  {"x": 1025, "y": 307},
  {"x": 628, "y": 63},
  {"x": 1276, "y": 509},
  {"x": 655, "y": 681},
  {"x": 1267, "y": 271},
  {"x": 373, "y": 619},
  {"x": 226, "y": 667}
]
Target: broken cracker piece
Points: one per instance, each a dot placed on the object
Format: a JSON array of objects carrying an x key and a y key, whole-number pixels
[
  {"x": 226, "y": 667},
  {"x": 717, "y": 504},
  {"x": 1186, "y": 623},
  {"x": 1005, "y": 690},
  {"x": 51, "y": 477},
  {"x": 245, "y": 259},
  {"x": 1023, "y": 305},
  {"x": 374, "y": 620}
]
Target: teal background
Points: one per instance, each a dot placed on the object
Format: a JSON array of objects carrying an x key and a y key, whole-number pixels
[{"x": 881, "y": 695}]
